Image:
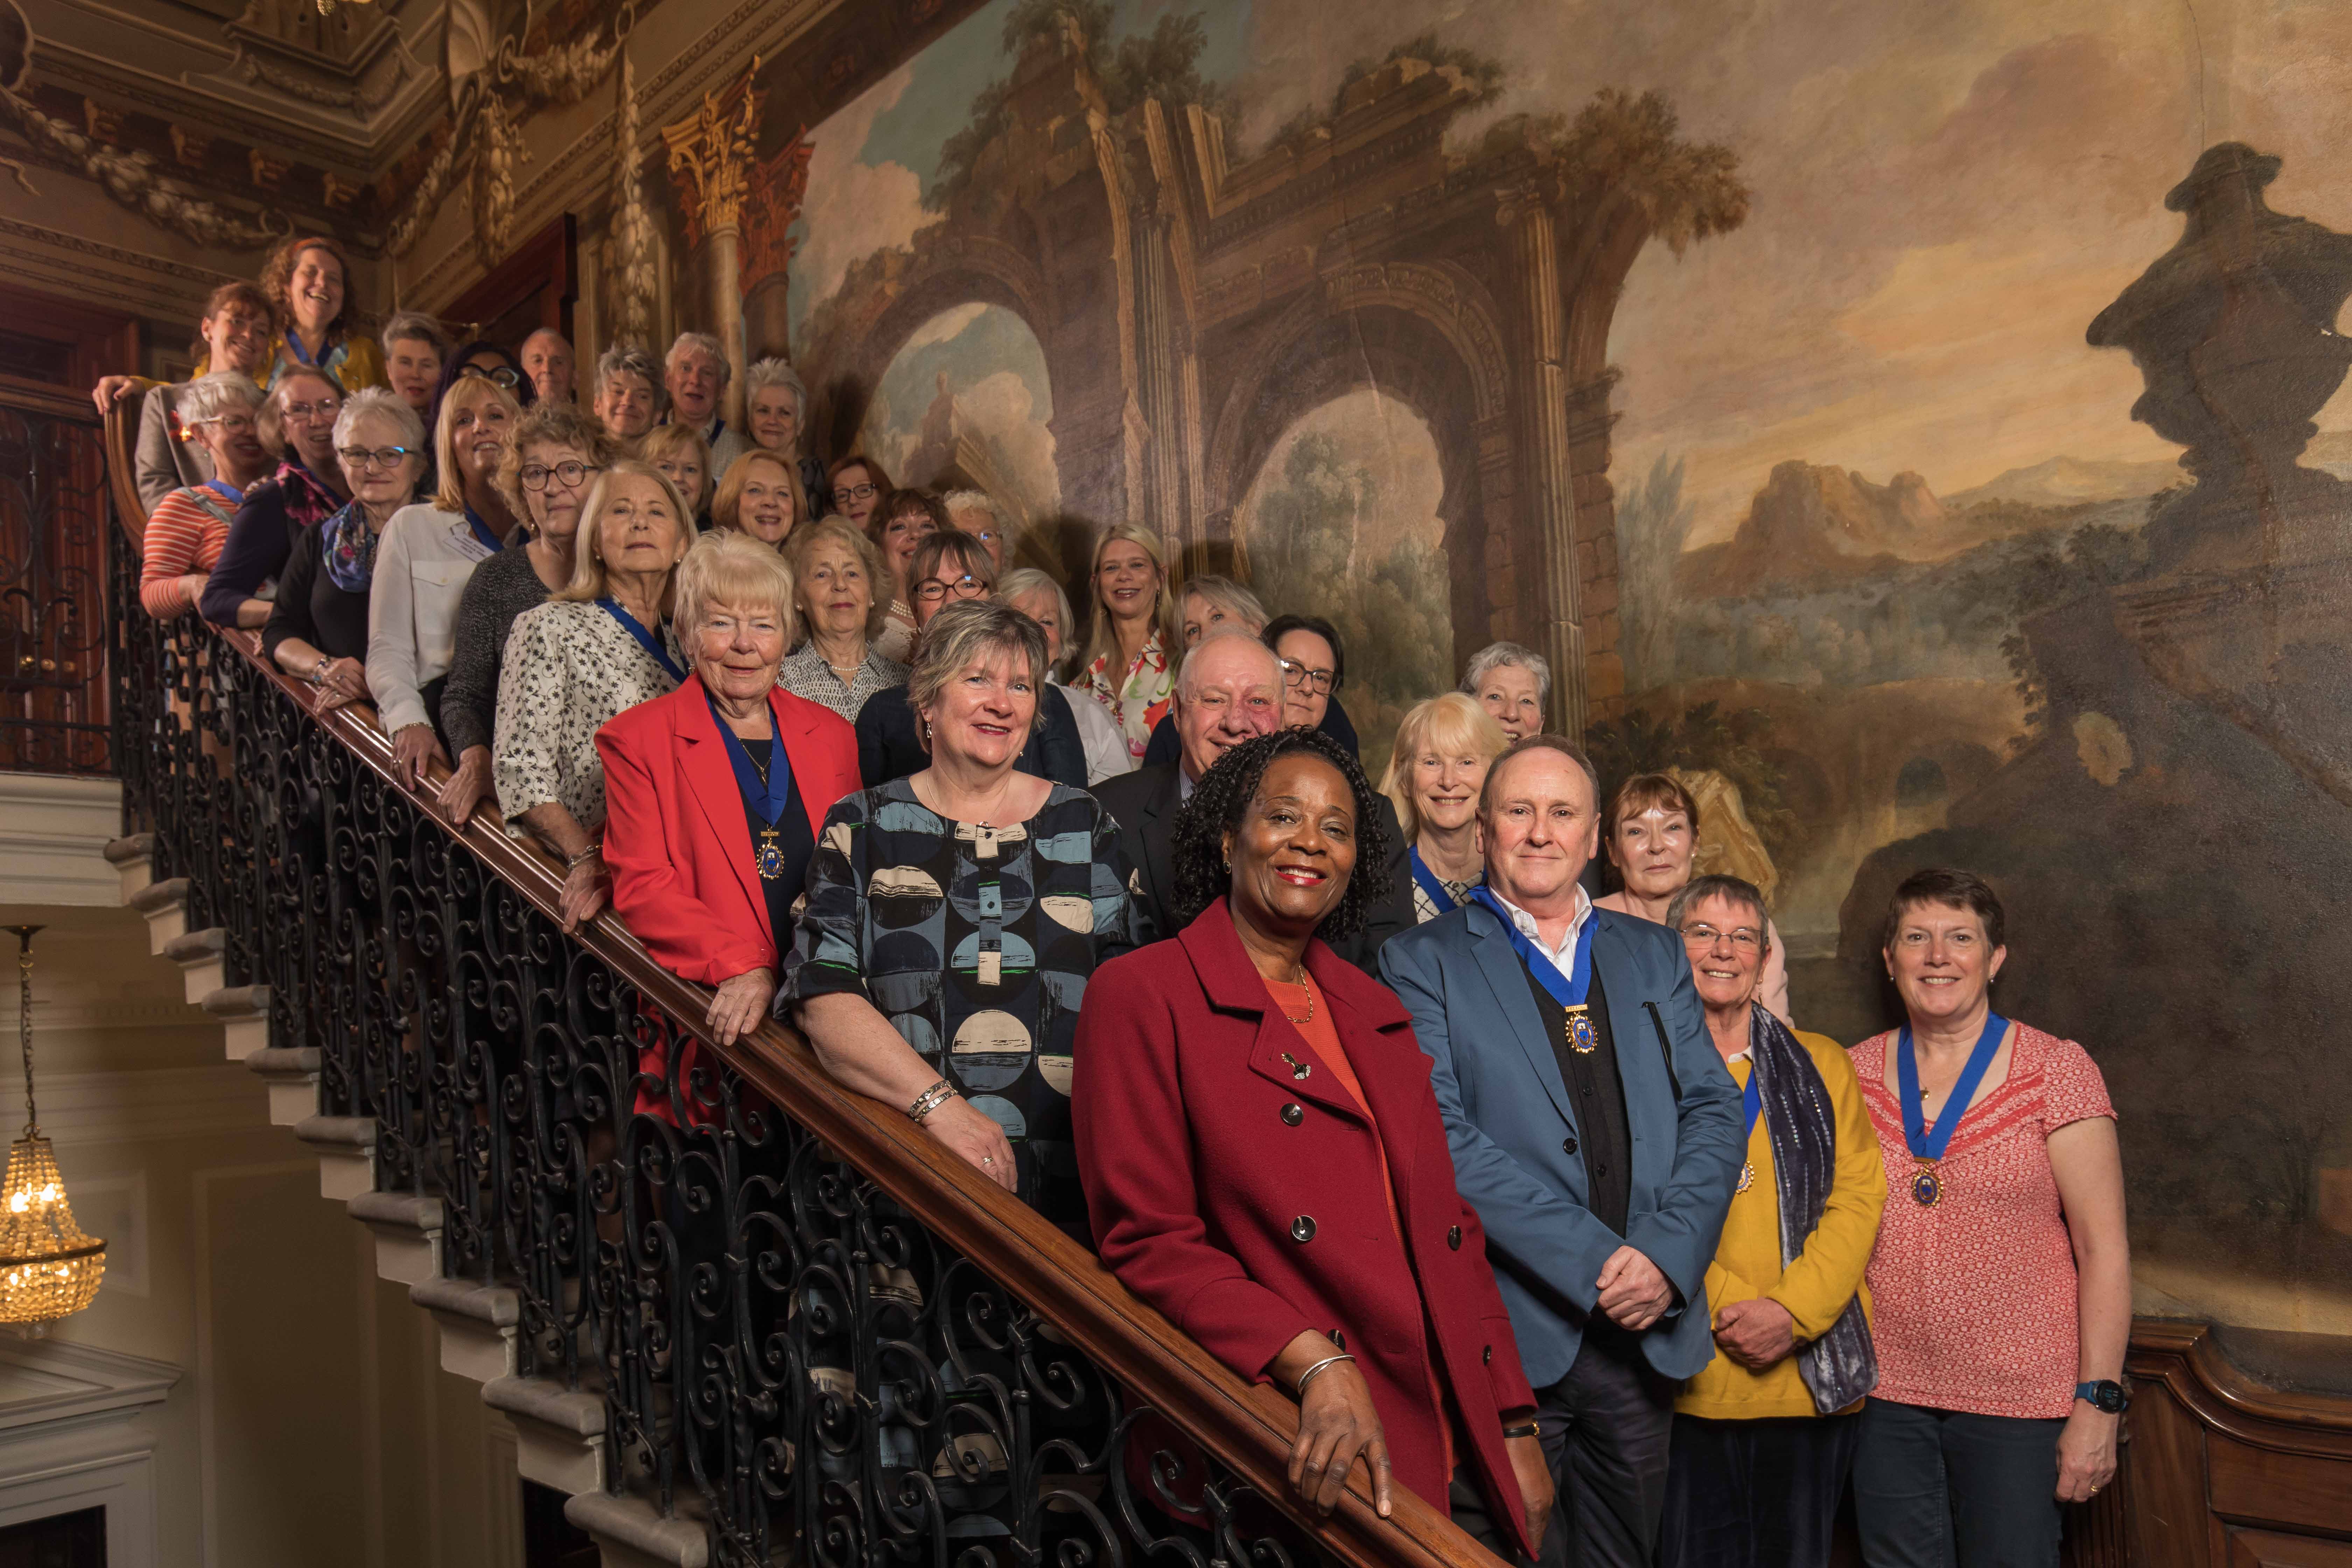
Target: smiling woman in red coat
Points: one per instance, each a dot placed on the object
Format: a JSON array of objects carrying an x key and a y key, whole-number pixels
[
  {"x": 714, "y": 794},
  {"x": 1264, "y": 1161}
]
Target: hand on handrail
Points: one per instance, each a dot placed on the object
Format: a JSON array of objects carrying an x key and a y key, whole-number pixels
[
  {"x": 468, "y": 784},
  {"x": 411, "y": 748},
  {"x": 739, "y": 1005},
  {"x": 339, "y": 680}
]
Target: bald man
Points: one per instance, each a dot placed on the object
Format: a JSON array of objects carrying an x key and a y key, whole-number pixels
[{"x": 546, "y": 360}]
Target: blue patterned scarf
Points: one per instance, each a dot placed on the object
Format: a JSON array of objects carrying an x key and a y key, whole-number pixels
[{"x": 347, "y": 549}]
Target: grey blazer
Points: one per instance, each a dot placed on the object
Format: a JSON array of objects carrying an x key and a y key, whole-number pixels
[
  {"x": 165, "y": 463},
  {"x": 1507, "y": 1114}
]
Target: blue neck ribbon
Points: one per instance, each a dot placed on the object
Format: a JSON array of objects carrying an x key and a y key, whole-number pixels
[
  {"x": 1751, "y": 1099},
  {"x": 769, "y": 799},
  {"x": 1928, "y": 1144},
  {"x": 1568, "y": 990},
  {"x": 294, "y": 342},
  {"x": 227, "y": 491},
  {"x": 485, "y": 533},
  {"x": 646, "y": 640},
  {"x": 1429, "y": 882}
]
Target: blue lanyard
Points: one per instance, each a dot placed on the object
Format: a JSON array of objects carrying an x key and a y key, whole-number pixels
[
  {"x": 226, "y": 493},
  {"x": 768, "y": 799},
  {"x": 1438, "y": 897},
  {"x": 1930, "y": 1144},
  {"x": 1751, "y": 1099},
  {"x": 717, "y": 428},
  {"x": 646, "y": 640},
  {"x": 483, "y": 531},
  {"x": 294, "y": 342},
  {"x": 1568, "y": 990}
]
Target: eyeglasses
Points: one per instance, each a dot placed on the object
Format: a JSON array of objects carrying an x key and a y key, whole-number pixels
[
  {"x": 844, "y": 494},
  {"x": 385, "y": 457},
  {"x": 570, "y": 471},
  {"x": 1743, "y": 938},
  {"x": 931, "y": 590},
  {"x": 325, "y": 409},
  {"x": 230, "y": 424},
  {"x": 505, "y": 375},
  {"x": 1320, "y": 681}
]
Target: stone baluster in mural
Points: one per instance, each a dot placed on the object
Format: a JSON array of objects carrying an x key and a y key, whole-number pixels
[{"x": 712, "y": 152}]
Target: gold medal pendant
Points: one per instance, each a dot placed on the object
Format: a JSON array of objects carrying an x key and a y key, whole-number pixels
[
  {"x": 1746, "y": 1175},
  {"x": 768, "y": 855},
  {"x": 1926, "y": 1185},
  {"x": 1581, "y": 1037}
]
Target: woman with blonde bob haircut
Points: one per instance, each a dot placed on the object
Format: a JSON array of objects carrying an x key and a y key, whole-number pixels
[
  {"x": 761, "y": 495},
  {"x": 599, "y": 646},
  {"x": 1129, "y": 660},
  {"x": 1435, "y": 771},
  {"x": 684, "y": 457},
  {"x": 838, "y": 577}
]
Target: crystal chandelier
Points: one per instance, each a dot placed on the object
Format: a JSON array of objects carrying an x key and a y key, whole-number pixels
[{"x": 49, "y": 1267}]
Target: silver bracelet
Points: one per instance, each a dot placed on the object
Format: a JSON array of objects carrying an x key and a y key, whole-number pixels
[
  {"x": 574, "y": 862},
  {"x": 931, "y": 1100},
  {"x": 1309, "y": 1375}
]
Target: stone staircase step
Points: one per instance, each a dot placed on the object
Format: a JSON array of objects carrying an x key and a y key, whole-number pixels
[
  {"x": 201, "y": 955},
  {"x": 407, "y": 1228},
  {"x": 165, "y": 906},
  {"x": 292, "y": 1078},
  {"x": 559, "y": 1430},
  {"x": 244, "y": 1012},
  {"x": 346, "y": 1150},
  {"x": 632, "y": 1533},
  {"x": 134, "y": 859},
  {"x": 478, "y": 1325}
]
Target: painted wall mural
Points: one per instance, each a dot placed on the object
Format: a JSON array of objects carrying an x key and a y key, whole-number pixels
[{"x": 1919, "y": 424}]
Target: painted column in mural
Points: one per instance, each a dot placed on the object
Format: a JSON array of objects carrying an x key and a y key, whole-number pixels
[
  {"x": 710, "y": 163},
  {"x": 1527, "y": 217},
  {"x": 771, "y": 206}
]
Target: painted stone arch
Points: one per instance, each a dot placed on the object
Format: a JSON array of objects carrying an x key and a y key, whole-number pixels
[{"x": 1425, "y": 334}]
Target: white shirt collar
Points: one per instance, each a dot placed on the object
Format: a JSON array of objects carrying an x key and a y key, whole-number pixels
[{"x": 1563, "y": 957}]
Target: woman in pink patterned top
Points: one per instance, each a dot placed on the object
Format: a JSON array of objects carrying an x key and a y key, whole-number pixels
[
  {"x": 1126, "y": 664},
  {"x": 2001, "y": 1278}
]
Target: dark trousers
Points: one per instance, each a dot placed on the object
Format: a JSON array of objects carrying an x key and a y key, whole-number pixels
[
  {"x": 1607, "y": 1427},
  {"x": 1943, "y": 1489},
  {"x": 1467, "y": 1503},
  {"x": 1756, "y": 1494}
]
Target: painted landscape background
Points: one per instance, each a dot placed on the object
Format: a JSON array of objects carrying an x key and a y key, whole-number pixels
[{"x": 1878, "y": 568}]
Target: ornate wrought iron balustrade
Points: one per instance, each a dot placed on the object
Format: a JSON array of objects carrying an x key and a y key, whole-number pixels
[
  {"x": 53, "y": 530},
  {"x": 807, "y": 1324}
]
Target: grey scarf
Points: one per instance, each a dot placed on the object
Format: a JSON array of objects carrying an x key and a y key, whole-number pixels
[{"x": 1842, "y": 1365}]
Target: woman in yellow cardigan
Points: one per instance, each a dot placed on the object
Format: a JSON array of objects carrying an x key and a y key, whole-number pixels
[{"x": 1765, "y": 1434}]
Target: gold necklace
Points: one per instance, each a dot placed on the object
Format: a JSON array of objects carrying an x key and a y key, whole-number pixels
[{"x": 1309, "y": 985}]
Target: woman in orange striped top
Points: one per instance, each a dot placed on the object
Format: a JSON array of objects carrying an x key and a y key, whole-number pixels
[{"x": 188, "y": 527}]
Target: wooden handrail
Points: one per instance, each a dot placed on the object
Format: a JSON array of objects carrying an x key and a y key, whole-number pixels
[
  {"x": 1249, "y": 1427},
  {"x": 123, "y": 471}
]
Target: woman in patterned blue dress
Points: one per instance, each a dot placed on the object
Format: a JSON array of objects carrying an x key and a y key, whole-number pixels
[{"x": 954, "y": 917}]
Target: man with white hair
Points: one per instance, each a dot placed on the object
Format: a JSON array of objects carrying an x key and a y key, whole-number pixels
[
  {"x": 696, "y": 372},
  {"x": 1511, "y": 682},
  {"x": 1228, "y": 690},
  {"x": 546, "y": 360}
]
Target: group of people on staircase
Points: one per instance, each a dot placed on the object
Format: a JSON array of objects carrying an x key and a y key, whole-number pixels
[{"x": 1526, "y": 1186}]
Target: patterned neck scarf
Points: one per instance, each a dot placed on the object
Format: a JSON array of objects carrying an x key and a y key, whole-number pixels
[
  {"x": 347, "y": 549},
  {"x": 309, "y": 501}
]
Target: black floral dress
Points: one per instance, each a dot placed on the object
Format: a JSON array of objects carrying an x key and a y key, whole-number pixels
[{"x": 976, "y": 945}]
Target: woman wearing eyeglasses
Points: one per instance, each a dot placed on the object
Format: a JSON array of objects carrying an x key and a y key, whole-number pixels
[
  {"x": 187, "y": 528},
  {"x": 554, "y": 455},
  {"x": 318, "y": 628},
  {"x": 1312, "y": 670},
  {"x": 899, "y": 526},
  {"x": 949, "y": 568},
  {"x": 429, "y": 553},
  {"x": 298, "y": 422}
]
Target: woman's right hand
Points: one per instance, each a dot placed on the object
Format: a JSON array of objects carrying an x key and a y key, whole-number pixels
[
  {"x": 468, "y": 784},
  {"x": 1337, "y": 1425},
  {"x": 975, "y": 1138},
  {"x": 111, "y": 390},
  {"x": 343, "y": 680},
  {"x": 584, "y": 893}
]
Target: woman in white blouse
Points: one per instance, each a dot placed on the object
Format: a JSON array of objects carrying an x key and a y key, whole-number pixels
[
  {"x": 602, "y": 644},
  {"x": 423, "y": 563},
  {"x": 1039, "y": 597}
]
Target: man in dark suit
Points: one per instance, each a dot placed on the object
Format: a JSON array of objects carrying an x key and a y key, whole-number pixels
[
  {"x": 1228, "y": 689},
  {"x": 1593, "y": 1128}
]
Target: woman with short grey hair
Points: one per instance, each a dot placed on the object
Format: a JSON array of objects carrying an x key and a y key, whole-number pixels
[
  {"x": 414, "y": 353},
  {"x": 187, "y": 529},
  {"x": 775, "y": 417},
  {"x": 843, "y": 605},
  {"x": 1511, "y": 682},
  {"x": 629, "y": 391},
  {"x": 942, "y": 1009}
]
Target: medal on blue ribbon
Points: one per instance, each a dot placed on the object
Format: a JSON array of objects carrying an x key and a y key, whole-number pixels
[
  {"x": 1439, "y": 898},
  {"x": 483, "y": 532},
  {"x": 1751, "y": 1100},
  {"x": 768, "y": 797},
  {"x": 1568, "y": 990},
  {"x": 646, "y": 640},
  {"x": 1927, "y": 1144}
]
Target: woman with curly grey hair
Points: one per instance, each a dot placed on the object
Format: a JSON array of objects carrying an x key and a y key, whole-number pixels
[
  {"x": 955, "y": 916},
  {"x": 1264, "y": 1158}
]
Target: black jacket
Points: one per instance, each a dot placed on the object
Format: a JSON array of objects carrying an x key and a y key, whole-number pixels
[
  {"x": 890, "y": 742},
  {"x": 1145, "y": 803}
]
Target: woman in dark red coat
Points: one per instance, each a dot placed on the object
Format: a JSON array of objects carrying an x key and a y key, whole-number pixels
[
  {"x": 714, "y": 795},
  {"x": 1264, "y": 1161}
]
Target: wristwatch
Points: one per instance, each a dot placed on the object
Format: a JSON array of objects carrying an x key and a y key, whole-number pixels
[{"x": 2103, "y": 1395}]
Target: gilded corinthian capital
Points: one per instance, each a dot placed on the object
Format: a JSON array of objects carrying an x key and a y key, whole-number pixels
[{"x": 710, "y": 154}]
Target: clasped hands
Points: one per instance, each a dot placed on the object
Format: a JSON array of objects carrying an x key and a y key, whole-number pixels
[{"x": 1634, "y": 1293}]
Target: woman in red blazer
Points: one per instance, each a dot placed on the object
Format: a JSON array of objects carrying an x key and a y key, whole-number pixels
[
  {"x": 1264, "y": 1161},
  {"x": 714, "y": 793}
]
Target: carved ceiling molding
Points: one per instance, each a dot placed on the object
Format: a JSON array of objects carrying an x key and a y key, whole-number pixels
[{"x": 62, "y": 65}]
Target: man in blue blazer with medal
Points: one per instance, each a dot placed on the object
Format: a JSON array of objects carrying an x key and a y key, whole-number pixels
[{"x": 1593, "y": 1128}]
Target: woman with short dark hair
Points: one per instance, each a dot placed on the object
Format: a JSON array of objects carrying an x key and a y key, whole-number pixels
[
  {"x": 2001, "y": 1278},
  {"x": 1649, "y": 833},
  {"x": 1265, "y": 1161}
]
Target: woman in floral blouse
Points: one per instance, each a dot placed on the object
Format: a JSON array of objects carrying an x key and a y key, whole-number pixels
[{"x": 1127, "y": 664}]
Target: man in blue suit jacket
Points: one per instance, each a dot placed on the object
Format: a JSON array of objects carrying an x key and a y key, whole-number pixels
[{"x": 1599, "y": 1144}]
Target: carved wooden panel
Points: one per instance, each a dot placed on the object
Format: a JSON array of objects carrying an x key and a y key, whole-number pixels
[{"x": 2262, "y": 1549}]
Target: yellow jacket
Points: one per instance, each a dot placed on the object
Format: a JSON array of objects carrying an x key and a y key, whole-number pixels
[{"x": 1824, "y": 1276}]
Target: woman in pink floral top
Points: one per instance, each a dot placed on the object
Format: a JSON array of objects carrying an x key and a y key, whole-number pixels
[
  {"x": 1126, "y": 664},
  {"x": 2001, "y": 1277}
]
